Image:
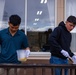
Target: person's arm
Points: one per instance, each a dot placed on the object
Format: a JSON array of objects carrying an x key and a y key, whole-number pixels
[
  {"x": 54, "y": 38},
  {"x": 25, "y": 46},
  {"x": 69, "y": 51}
]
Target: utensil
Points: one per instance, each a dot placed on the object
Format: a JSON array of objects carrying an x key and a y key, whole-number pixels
[{"x": 73, "y": 61}]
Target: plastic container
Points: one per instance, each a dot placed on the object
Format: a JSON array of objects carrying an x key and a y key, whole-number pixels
[
  {"x": 21, "y": 55},
  {"x": 74, "y": 61}
]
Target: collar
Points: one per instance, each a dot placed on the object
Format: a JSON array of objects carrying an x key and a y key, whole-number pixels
[{"x": 7, "y": 31}]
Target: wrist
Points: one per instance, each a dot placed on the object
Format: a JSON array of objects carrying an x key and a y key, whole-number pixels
[{"x": 28, "y": 50}]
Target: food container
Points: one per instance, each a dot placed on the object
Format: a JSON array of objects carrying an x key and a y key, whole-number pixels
[
  {"x": 72, "y": 61},
  {"x": 21, "y": 55}
]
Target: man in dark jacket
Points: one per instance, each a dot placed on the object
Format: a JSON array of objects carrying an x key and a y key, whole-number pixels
[{"x": 60, "y": 40}]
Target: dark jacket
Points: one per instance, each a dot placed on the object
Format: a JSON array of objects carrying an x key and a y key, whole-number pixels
[{"x": 60, "y": 39}]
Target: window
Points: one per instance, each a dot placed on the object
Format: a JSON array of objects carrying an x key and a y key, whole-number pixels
[
  {"x": 40, "y": 22},
  {"x": 9, "y": 7},
  {"x": 38, "y": 19},
  {"x": 70, "y": 9}
]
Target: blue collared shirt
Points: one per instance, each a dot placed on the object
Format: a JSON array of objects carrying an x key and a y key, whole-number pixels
[{"x": 10, "y": 44}]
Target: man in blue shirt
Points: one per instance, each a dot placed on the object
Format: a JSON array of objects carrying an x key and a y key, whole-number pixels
[{"x": 11, "y": 40}]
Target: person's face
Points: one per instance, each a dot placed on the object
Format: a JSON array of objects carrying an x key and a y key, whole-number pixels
[
  {"x": 69, "y": 26},
  {"x": 13, "y": 28}
]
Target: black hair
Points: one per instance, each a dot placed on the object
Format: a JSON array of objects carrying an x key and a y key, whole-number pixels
[
  {"x": 22, "y": 30},
  {"x": 15, "y": 20},
  {"x": 72, "y": 19}
]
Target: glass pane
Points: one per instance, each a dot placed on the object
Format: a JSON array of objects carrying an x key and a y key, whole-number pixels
[
  {"x": 9, "y": 7},
  {"x": 71, "y": 10},
  {"x": 40, "y": 21},
  {"x": 70, "y": 7},
  {"x": 2, "y": 4}
]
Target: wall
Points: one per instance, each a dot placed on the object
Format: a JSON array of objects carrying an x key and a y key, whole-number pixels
[{"x": 60, "y": 10}]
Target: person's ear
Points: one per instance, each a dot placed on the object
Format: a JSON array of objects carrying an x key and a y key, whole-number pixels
[{"x": 66, "y": 22}]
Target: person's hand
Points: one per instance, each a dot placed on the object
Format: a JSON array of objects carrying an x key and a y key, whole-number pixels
[
  {"x": 65, "y": 53},
  {"x": 74, "y": 57},
  {"x": 27, "y": 53}
]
